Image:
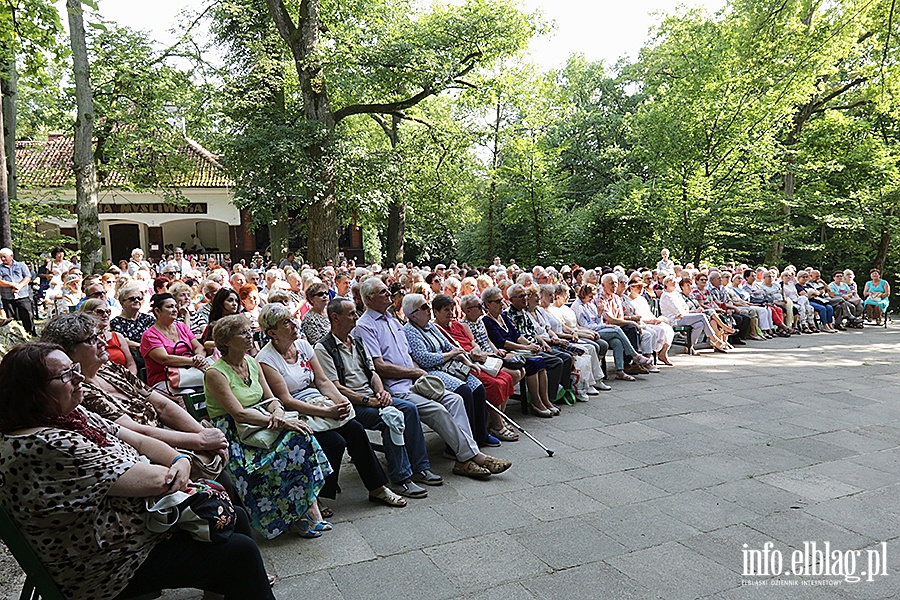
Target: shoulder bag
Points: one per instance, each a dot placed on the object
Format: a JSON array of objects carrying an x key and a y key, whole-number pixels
[
  {"x": 183, "y": 378},
  {"x": 205, "y": 512},
  {"x": 260, "y": 436},
  {"x": 313, "y": 396}
]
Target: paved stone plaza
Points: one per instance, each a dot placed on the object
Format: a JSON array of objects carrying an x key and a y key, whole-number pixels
[{"x": 654, "y": 489}]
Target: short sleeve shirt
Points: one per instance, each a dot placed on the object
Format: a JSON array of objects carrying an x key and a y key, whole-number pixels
[
  {"x": 297, "y": 376},
  {"x": 55, "y": 484},
  {"x": 14, "y": 273},
  {"x": 354, "y": 375},
  {"x": 152, "y": 338},
  {"x": 133, "y": 330},
  {"x": 384, "y": 337}
]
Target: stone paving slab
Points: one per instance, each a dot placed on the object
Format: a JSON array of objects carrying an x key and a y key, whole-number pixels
[{"x": 654, "y": 490}]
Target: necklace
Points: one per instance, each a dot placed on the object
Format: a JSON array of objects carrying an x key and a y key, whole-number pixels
[
  {"x": 245, "y": 380},
  {"x": 500, "y": 322}
]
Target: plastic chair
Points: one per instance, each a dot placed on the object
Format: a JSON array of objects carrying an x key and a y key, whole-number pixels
[{"x": 38, "y": 583}]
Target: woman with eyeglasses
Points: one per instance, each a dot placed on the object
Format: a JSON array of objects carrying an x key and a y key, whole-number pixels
[
  {"x": 116, "y": 343},
  {"x": 299, "y": 382},
  {"x": 131, "y": 322},
  {"x": 432, "y": 352},
  {"x": 506, "y": 339},
  {"x": 169, "y": 343},
  {"x": 77, "y": 484},
  {"x": 315, "y": 322},
  {"x": 498, "y": 388},
  {"x": 279, "y": 485}
]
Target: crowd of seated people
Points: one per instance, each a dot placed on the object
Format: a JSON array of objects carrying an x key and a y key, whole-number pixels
[{"x": 315, "y": 357}]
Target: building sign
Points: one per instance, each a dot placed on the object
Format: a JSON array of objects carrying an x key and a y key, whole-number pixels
[{"x": 195, "y": 208}]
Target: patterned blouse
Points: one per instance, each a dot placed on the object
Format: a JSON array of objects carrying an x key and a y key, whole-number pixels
[
  {"x": 315, "y": 327},
  {"x": 55, "y": 484},
  {"x": 427, "y": 347},
  {"x": 110, "y": 406},
  {"x": 480, "y": 334},
  {"x": 133, "y": 330}
]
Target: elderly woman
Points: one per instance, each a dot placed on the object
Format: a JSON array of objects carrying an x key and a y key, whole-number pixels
[
  {"x": 505, "y": 338},
  {"x": 397, "y": 292},
  {"x": 298, "y": 381},
  {"x": 878, "y": 296},
  {"x": 131, "y": 322},
  {"x": 183, "y": 295},
  {"x": 585, "y": 310},
  {"x": 674, "y": 306},
  {"x": 116, "y": 394},
  {"x": 589, "y": 363},
  {"x": 169, "y": 343},
  {"x": 315, "y": 322},
  {"x": 636, "y": 299},
  {"x": 853, "y": 297},
  {"x": 116, "y": 343},
  {"x": 279, "y": 485},
  {"x": 434, "y": 353},
  {"x": 77, "y": 485},
  {"x": 248, "y": 295},
  {"x": 498, "y": 388}
]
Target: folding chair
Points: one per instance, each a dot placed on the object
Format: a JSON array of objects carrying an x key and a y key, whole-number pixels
[{"x": 38, "y": 583}]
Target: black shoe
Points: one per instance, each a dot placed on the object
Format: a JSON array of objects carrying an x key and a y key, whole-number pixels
[{"x": 738, "y": 342}]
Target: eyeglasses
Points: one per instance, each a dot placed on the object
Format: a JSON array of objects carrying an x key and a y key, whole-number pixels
[
  {"x": 383, "y": 292},
  {"x": 134, "y": 298},
  {"x": 91, "y": 340},
  {"x": 425, "y": 306},
  {"x": 702, "y": 279},
  {"x": 100, "y": 294},
  {"x": 102, "y": 311},
  {"x": 320, "y": 295},
  {"x": 519, "y": 297},
  {"x": 492, "y": 301},
  {"x": 246, "y": 333},
  {"x": 69, "y": 374}
]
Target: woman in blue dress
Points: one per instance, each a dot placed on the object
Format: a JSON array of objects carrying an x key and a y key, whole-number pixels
[{"x": 877, "y": 292}]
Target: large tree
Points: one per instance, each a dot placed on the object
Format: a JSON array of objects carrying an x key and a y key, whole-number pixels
[{"x": 381, "y": 58}]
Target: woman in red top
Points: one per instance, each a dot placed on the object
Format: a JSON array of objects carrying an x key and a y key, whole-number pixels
[
  {"x": 498, "y": 388},
  {"x": 116, "y": 344}
]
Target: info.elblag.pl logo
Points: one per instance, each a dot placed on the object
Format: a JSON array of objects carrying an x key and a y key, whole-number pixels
[{"x": 813, "y": 560}]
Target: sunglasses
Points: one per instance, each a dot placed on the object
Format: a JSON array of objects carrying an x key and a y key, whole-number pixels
[
  {"x": 134, "y": 298},
  {"x": 69, "y": 374},
  {"x": 320, "y": 295},
  {"x": 99, "y": 294},
  {"x": 425, "y": 306},
  {"x": 91, "y": 340},
  {"x": 103, "y": 311}
]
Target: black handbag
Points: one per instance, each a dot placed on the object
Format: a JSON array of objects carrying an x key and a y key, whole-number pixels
[
  {"x": 205, "y": 512},
  {"x": 514, "y": 361}
]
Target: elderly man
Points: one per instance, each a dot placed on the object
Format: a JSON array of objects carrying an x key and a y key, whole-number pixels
[
  {"x": 15, "y": 290},
  {"x": 385, "y": 341},
  {"x": 137, "y": 262},
  {"x": 346, "y": 363},
  {"x": 559, "y": 363},
  {"x": 237, "y": 281}
]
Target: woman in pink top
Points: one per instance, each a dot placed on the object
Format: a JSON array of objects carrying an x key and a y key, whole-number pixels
[{"x": 169, "y": 342}]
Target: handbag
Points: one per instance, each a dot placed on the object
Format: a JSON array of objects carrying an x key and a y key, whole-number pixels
[
  {"x": 492, "y": 365},
  {"x": 429, "y": 386},
  {"x": 313, "y": 396},
  {"x": 514, "y": 361},
  {"x": 205, "y": 512},
  {"x": 456, "y": 368},
  {"x": 260, "y": 436},
  {"x": 181, "y": 378},
  {"x": 204, "y": 465}
]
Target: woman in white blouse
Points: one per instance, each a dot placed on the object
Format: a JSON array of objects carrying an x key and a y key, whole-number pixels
[{"x": 674, "y": 308}]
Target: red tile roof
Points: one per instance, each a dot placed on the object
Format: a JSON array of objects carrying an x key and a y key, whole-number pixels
[{"x": 49, "y": 164}]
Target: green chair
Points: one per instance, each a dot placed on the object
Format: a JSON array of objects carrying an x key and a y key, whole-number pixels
[
  {"x": 38, "y": 583},
  {"x": 196, "y": 405}
]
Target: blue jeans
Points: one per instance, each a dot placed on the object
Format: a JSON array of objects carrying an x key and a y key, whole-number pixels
[
  {"x": 619, "y": 343},
  {"x": 826, "y": 312},
  {"x": 402, "y": 461}
]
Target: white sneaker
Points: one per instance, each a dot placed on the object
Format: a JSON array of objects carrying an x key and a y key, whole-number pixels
[
  {"x": 592, "y": 392},
  {"x": 602, "y": 386}
]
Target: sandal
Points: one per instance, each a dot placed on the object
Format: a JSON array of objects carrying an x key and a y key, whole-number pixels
[
  {"x": 314, "y": 525},
  {"x": 389, "y": 498},
  {"x": 327, "y": 513},
  {"x": 505, "y": 434},
  {"x": 300, "y": 528},
  {"x": 624, "y": 377}
]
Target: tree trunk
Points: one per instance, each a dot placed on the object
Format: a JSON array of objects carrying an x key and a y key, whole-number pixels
[
  {"x": 5, "y": 233},
  {"x": 86, "y": 186},
  {"x": 279, "y": 238},
  {"x": 396, "y": 229},
  {"x": 884, "y": 245},
  {"x": 492, "y": 189},
  {"x": 8, "y": 90}
]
